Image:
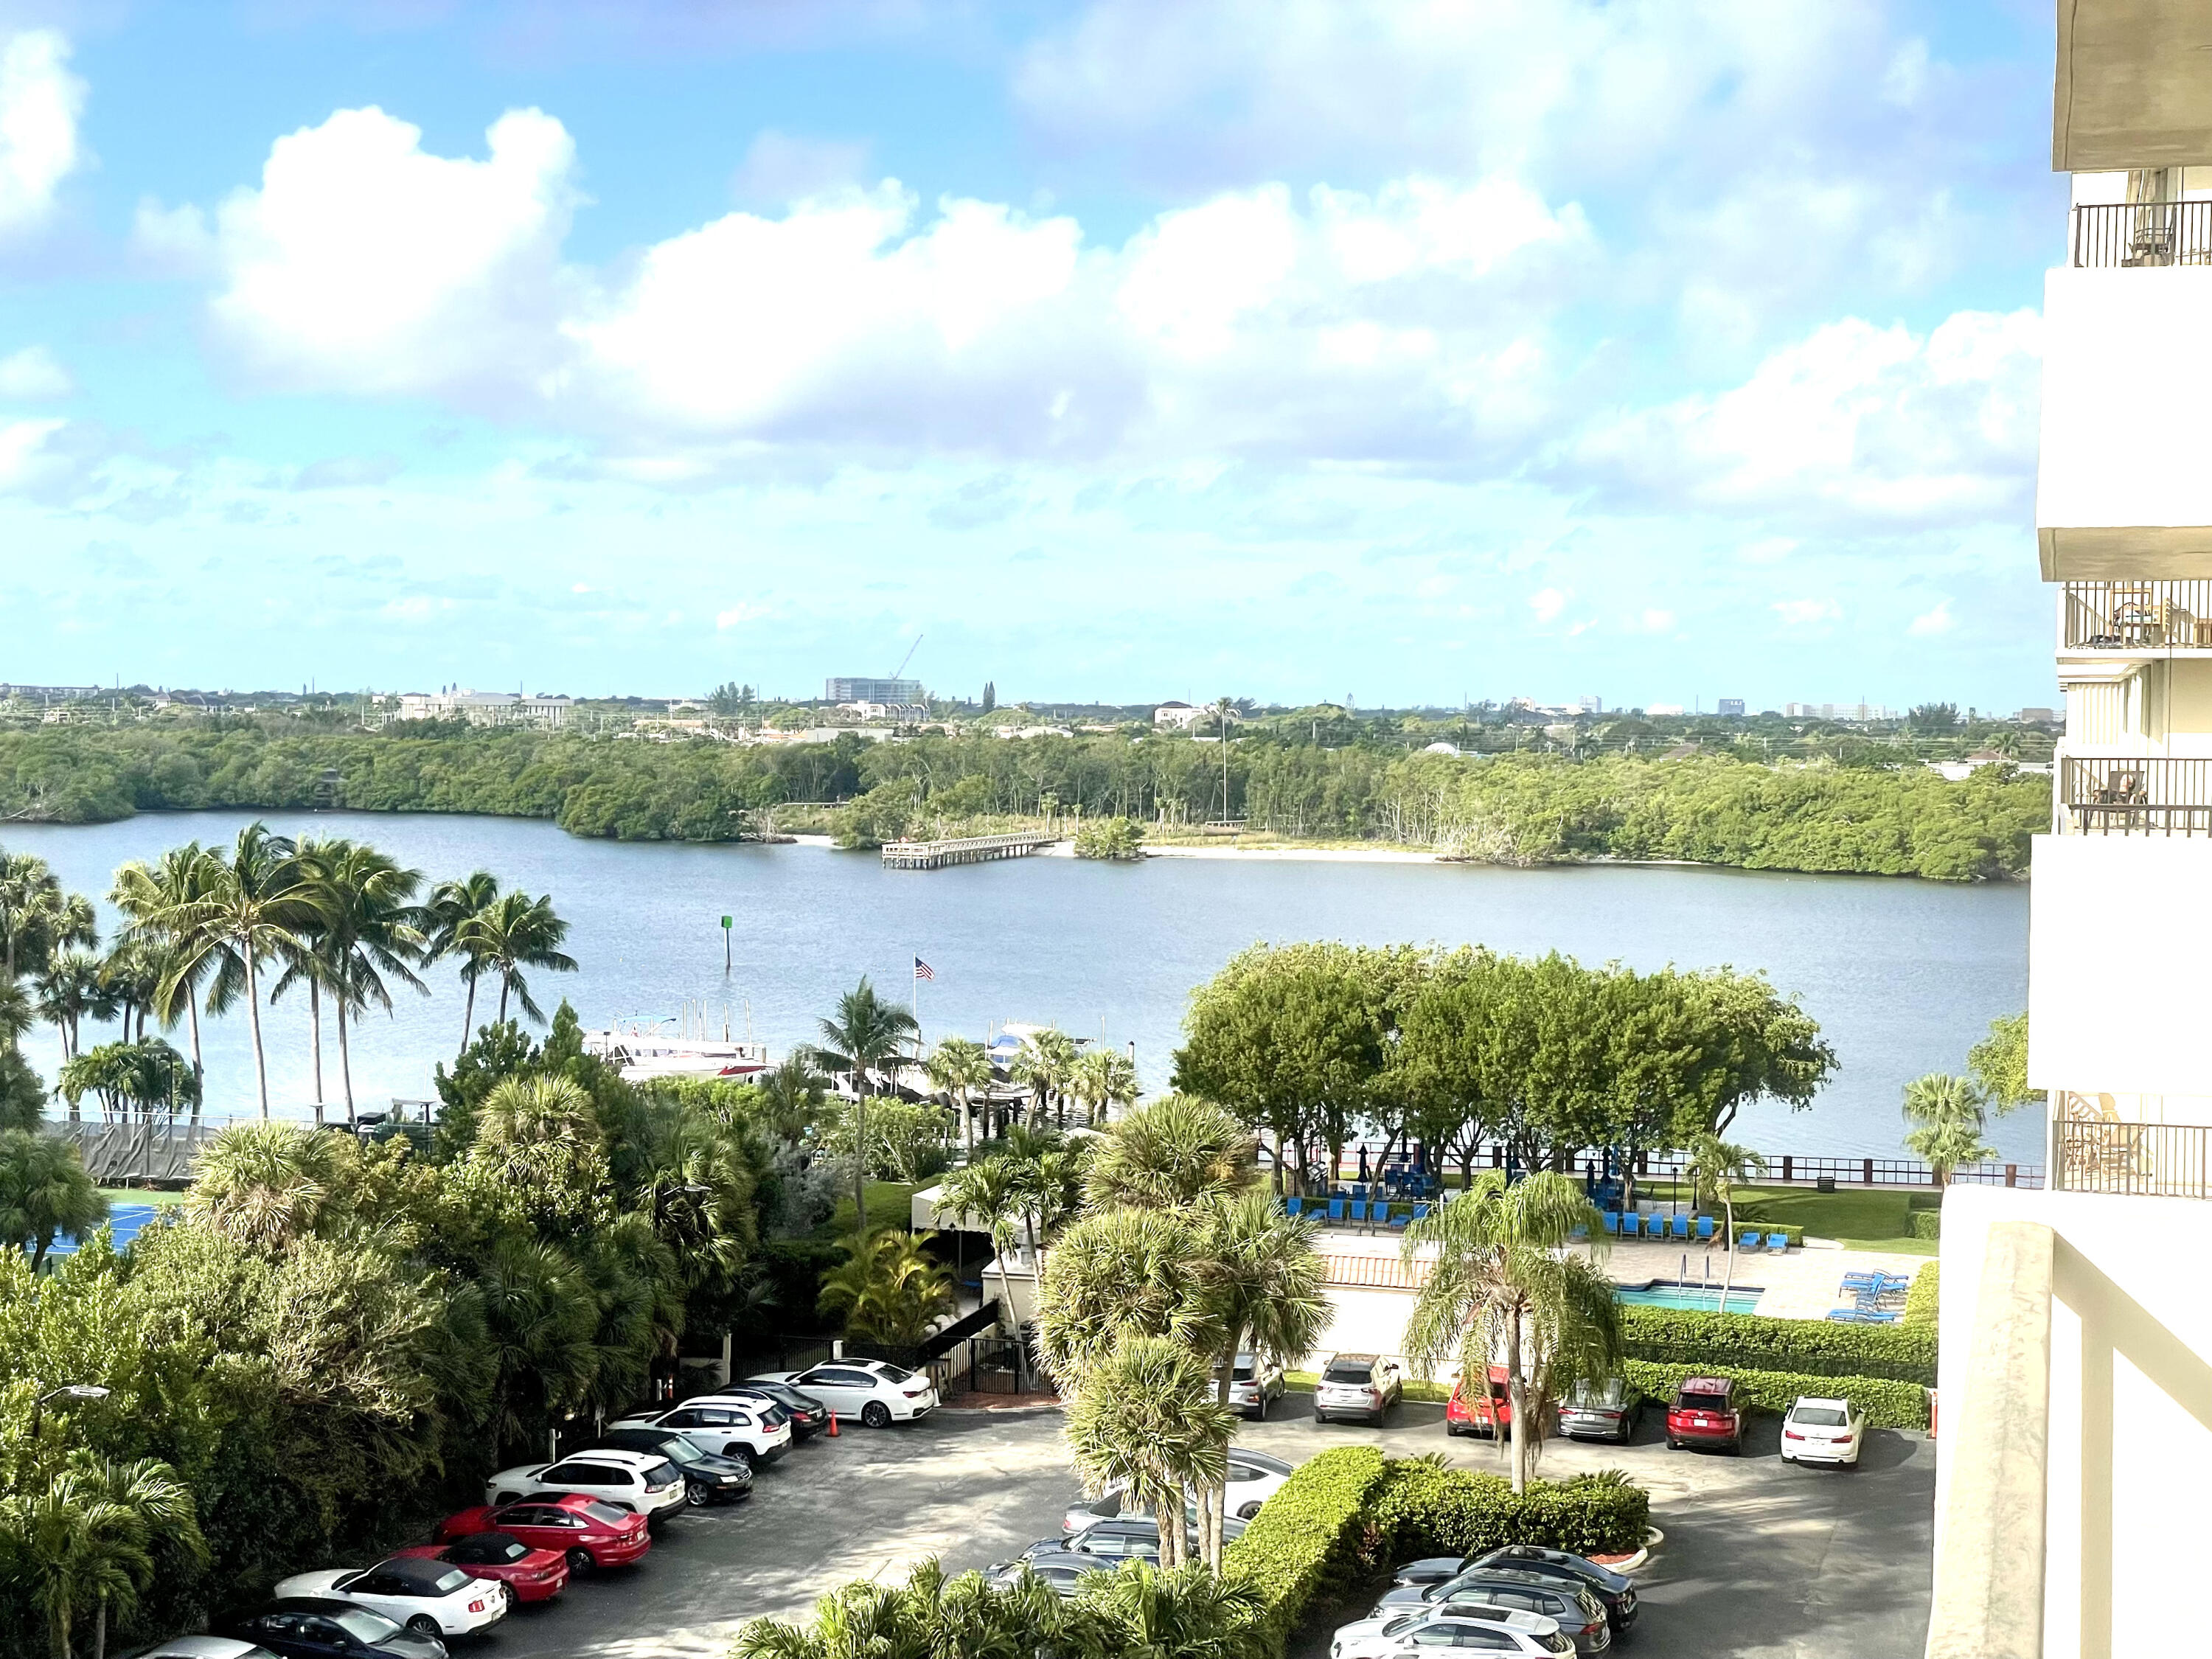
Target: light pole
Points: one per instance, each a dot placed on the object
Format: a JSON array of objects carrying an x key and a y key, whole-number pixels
[{"x": 67, "y": 1391}]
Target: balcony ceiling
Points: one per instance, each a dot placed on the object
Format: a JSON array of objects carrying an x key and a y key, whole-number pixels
[
  {"x": 2134, "y": 86},
  {"x": 2133, "y": 553}
]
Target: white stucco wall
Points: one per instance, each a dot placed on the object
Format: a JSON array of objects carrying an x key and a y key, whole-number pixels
[{"x": 2131, "y": 1404}]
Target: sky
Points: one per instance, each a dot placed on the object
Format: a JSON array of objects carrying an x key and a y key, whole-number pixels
[{"x": 1395, "y": 351}]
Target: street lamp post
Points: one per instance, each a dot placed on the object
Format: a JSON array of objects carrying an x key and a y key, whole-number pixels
[{"x": 67, "y": 1391}]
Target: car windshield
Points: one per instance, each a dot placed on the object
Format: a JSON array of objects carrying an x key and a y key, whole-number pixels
[
  {"x": 447, "y": 1583},
  {"x": 1703, "y": 1402},
  {"x": 497, "y": 1550},
  {"x": 660, "y": 1474},
  {"x": 1608, "y": 1393},
  {"x": 892, "y": 1374},
  {"x": 606, "y": 1514},
  {"x": 1243, "y": 1372},
  {"x": 1346, "y": 1370},
  {"x": 1820, "y": 1417},
  {"x": 363, "y": 1625}
]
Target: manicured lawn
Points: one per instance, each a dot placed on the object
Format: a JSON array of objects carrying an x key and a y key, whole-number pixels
[
  {"x": 1864, "y": 1218},
  {"x": 890, "y": 1205},
  {"x": 159, "y": 1200}
]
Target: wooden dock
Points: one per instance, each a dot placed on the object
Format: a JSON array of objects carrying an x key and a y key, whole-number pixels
[{"x": 968, "y": 849}]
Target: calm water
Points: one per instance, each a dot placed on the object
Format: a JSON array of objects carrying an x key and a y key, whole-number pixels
[{"x": 1902, "y": 975}]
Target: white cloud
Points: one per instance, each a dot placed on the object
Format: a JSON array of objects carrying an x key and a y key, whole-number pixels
[
  {"x": 737, "y": 616},
  {"x": 34, "y": 371},
  {"x": 1657, "y": 622},
  {"x": 1547, "y": 603},
  {"x": 1801, "y": 613},
  {"x": 1930, "y": 623},
  {"x": 40, "y": 103}
]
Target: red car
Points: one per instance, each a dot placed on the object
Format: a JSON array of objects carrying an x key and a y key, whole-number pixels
[
  {"x": 1470, "y": 1411},
  {"x": 534, "y": 1575},
  {"x": 1704, "y": 1413},
  {"x": 585, "y": 1532}
]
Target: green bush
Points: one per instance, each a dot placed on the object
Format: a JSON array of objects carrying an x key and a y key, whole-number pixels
[
  {"x": 1927, "y": 1224},
  {"x": 1812, "y": 1347},
  {"x": 1305, "y": 1540},
  {"x": 1416, "y": 1387},
  {"x": 1922, "y": 1301},
  {"x": 1889, "y": 1404},
  {"x": 1425, "y": 1509}
]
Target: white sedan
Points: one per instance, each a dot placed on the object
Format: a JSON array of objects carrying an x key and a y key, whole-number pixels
[
  {"x": 1485, "y": 1629},
  {"x": 727, "y": 1425},
  {"x": 642, "y": 1482},
  {"x": 876, "y": 1393},
  {"x": 1254, "y": 1477},
  {"x": 430, "y": 1598},
  {"x": 1824, "y": 1431}
]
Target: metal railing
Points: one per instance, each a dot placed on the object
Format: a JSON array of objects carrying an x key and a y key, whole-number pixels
[
  {"x": 2139, "y": 616},
  {"x": 2134, "y": 795},
  {"x": 2136, "y": 233},
  {"x": 2143, "y": 1160}
]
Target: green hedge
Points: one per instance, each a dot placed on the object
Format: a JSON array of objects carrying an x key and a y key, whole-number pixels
[
  {"x": 1927, "y": 1224},
  {"x": 1811, "y": 1348},
  {"x": 1889, "y": 1405},
  {"x": 1423, "y": 1508},
  {"x": 1416, "y": 1387},
  {"x": 1922, "y": 1301},
  {"x": 1305, "y": 1540}
]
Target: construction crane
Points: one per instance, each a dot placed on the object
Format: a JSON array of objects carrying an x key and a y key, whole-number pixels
[{"x": 907, "y": 658}]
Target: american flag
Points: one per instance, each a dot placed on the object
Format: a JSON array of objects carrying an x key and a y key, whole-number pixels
[{"x": 923, "y": 970}]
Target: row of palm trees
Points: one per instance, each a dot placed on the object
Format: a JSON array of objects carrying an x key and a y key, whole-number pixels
[{"x": 205, "y": 928}]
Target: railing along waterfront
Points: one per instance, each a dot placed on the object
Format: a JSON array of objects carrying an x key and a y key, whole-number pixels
[
  {"x": 2139, "y": 616},
  {"x": 2141, "y": 1160},
  {"x": 2111, "y": 235},
  {"x": 2134, "y": 795},
  {"x": 1783, "y": 1169}
]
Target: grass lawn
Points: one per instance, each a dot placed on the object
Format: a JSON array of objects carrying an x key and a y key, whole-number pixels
[
  {"x": 154, "y": 1196},
  {"x": 890, "y": 1205},
  {"x": 1862, "y": 1218}
]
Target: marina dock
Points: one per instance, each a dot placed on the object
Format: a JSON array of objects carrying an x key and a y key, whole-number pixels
[{"x": 966, "y": 849}]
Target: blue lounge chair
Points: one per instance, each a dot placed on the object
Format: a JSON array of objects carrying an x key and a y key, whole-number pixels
[
  {"x": 1681, "y": 1227},
  {"x": 1420, "y": 1212},
  {"x": 1706, "y": 1228},
  {"x": 1748, "y": 1242},
  {"x": 1335, "y": 1210},
  {"x": 1777, "y": 1240},
  {"x": 1294, "y": 1206},
  {"x": 1359, "y": 1212},
  {"x": 1397, "y": 1221},
  {"x": 1611, "y": 1219},
  {"x": 1579, "y": 1232}
]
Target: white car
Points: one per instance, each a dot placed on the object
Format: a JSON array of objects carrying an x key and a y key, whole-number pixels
[
  {"x": 205, "y": 1647},
  {"x": 638, "y": 1480},
  {"x": 1255, "y": 1384},
  {"x": 431, "y": 1598},
  {"x": 1485, "y": 1629},
  {"x": 1254, "y": 1477},
  {"x": 1824, "y": 1431},
  {"x": 876, "y": 1393},
  {"x": 727, "y": 1425}
]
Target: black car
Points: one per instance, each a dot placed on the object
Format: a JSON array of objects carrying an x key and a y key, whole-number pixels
[
  {"x": 1616, "y": 1590},
  {"x": 707, "y": 1477},
  {"x": 809, "y": 1415},
  {"x": 1579, "y": 1614},
  {"x": 1062, "y": 1571},
  {"x": 320, "y": 1627}
]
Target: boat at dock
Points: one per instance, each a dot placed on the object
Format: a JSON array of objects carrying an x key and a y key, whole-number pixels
[{"x": 643, "y": 1051}]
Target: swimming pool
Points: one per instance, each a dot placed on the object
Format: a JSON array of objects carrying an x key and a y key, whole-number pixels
[{"x": 1652, "y": 1293}]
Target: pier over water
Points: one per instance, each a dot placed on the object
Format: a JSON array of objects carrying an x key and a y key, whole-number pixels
[{"x": 966, "y": 849}]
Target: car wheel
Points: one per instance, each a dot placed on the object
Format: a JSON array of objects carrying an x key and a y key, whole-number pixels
[
  {"x": 1321, "y": 1417},
  {"x": 423, "y": 1624},
  {"x": 1673, "y": 1445},
  {"x": 744, "y": 1454},
  {"x": 1248, "y": 1511},
  {"x": 695, "y": 1494},
  {"x": 1260, "y": 1413},
  {"x": 876, "y": 1414},
  {"x": 579, "y": 1561}
]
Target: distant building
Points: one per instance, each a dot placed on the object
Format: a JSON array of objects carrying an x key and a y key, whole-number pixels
[
  {"x": 1839, "y": 711},
  {"x": 1181, "y": 716},
  {"x": 899, "y": 714},
  {"x": 484, "y": 708},
  {"x": 1730, "y": 707},
  {"x": 2046, "y": 716},
  {"x": 1589, "y": 705},
  {"x": 1659, "y": 710},
  {"x": 852, "y": 689}
]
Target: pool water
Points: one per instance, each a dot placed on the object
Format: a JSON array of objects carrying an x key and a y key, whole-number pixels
[{"x": 1742, "y": 1298}]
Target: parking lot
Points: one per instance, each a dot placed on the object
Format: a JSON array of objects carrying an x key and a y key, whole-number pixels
[{"x": 1761, "y": 1561}]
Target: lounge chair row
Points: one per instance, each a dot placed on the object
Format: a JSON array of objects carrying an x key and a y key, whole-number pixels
[
  {"x": 1625, "y": 1225},
  {"x": 1357, "y": 1211}
]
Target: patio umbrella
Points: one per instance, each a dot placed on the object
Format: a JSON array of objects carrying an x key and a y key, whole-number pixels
[{"x": 1363, "y": 1164}]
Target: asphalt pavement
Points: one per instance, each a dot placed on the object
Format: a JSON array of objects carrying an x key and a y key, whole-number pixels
[{"x": 1761, "y": 1561}]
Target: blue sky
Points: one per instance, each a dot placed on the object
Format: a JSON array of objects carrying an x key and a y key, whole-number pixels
[{"x": 1135, "y": 349}]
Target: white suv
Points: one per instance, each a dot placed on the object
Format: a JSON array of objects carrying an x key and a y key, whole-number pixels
[
  {"x": 877, "y": 1392},
  {"x": 650, "y": 1484},
  {"x": 728, "y": 1425},
  {"x": 1364, "y": 1385}
]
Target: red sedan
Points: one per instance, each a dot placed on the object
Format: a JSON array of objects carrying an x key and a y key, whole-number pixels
[
  {"x": 534, "y": 1575},
  {"x": 1473, "y": 1411},
  {"x": 585, "y": 1532}
]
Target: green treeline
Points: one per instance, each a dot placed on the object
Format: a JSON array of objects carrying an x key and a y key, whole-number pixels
[{"x": 1509, "y": 808}]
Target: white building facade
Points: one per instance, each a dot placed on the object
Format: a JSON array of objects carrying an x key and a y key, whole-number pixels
[{"x": 484, "y": 708}]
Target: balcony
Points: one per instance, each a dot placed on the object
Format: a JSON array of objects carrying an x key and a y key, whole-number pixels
[
  {"x": 2134, "y": 795},
  {"x": 2132, "y": 235},
  {"x": 2138, "y": 617},
  {"x": 2138, "y": 1160}
]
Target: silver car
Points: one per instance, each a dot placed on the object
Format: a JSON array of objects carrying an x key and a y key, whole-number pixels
[
  {"x": 1255, "y": 1384},
  {"x": 1362, "y": 1385}
]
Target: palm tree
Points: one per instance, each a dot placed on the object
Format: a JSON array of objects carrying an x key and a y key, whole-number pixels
[
  {"x": 1046, "y": 1061},
  {"x": 1143, "y": 1422},
  {"x": 16, "y": 1014},
  {"x": 1719, "y": 1167},
  {"x": 543, "y": 1107},
  {"x": 37, "y": 918},
  {"x": 1192, "y": 1614},
  {"x": 541, "y": 1328},
  {"x": 129, "y": 1075},
  {"x": 516, "y": 932},
  {"x": 1123, "y": 1273},
  {"x": 991, "y": 1191},
  {"x": 70, "y": 990},
  {"x": 1952, "y": 1113},
  {"x": 932, "y": 1617},
  {"x": 249, "y": 911},
  {"x": 453, "y": 905},
  {"x": 87, "y": 1538},
  {"x": 793, "y": 1096},
  {"x": 369, "y": 929},
  {"x": 264, "y": 1184},
  {"x": 1104, "y": 1078},
  {"x": 45, "y": 1192},
  {"x": 889, "y": 1289},
  {"x": 181, "y": 877},
  {"x": 1178, "y": 1150},
  {"x": 1504, "y": 1285},
  {"x": 131, "y": 974},
  {"x": 865, "y": 1032},
  {"x": 959, "y": 1067}
]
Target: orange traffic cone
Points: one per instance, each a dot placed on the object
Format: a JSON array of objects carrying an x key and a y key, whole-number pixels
[{"x": 833, "y": 1425}]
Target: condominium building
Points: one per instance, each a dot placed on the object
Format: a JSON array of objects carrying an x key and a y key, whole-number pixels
[
  {"x": 856, "y": 689},
  {"x": 483, "y": 708},
  {"x": 2075, "y": 1351}
]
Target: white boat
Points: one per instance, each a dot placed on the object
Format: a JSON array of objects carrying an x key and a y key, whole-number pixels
[{"x": 643, "y": 1051}]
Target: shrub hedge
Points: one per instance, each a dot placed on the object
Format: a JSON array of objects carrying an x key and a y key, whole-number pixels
[
  {"x": 1416, "y": 1387},
  {"x": 1424, "y": 1509},
  {"x": 1812, "y": 1347},
  {"x": 1889, "y": 1404},
  {"x": 1927, "y": 1224},
  {"x": 1923, "y": 1300},
  {"x": 1305, "y": 1541}
]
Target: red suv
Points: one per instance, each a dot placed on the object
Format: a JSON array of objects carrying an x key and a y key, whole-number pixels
[
  {"x": 1704, "y": 1413},
  {"x": 588, "y": 1532},
  {"x": 1473, "y": 1411}
]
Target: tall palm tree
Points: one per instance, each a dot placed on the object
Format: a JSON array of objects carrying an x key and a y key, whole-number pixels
[
  {"x": 1951, "y": 1113},
  {"x": 445, "y": 917},
  {"x": 86, "y": 1539},
  {"x": 264, "y": 1184},
  {"x": 959, "y": 1067},
  {"x": 249, "y": 913},
  {"x": 989, "y": 1191},
  {"x": 793, "y": 1095},
  {"x": 1504, "y": 1288},
  {"x": 70, "y": 990},
  {"x": 864, "y": 1033},
  {"x": 131, "y": 974},
  {"x": 515, "y": 931},
  {"x": 1144, "y": 1421},
  {"x": 1718, "y": 1167},
  {"x": 17, "y": 1015},
  {"x": 1046, "y": 1061},
  {"x": 43, "y": 1194},
  {"x": 1178, "y": 1150},
  {"x": 37, "y": 918},
  {"x": 1102, "y": 1079},
  {"x": 182, "y": 876},
  {"x": 369, "y": 930}
]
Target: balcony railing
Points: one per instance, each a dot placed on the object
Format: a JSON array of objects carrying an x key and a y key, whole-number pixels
[
  {"x": 2147, "y": 1160},
  {"x": 2139, "y": 616},
  {"x": 2135, "y": 234},
  {"x": 2134, "y": 795}
]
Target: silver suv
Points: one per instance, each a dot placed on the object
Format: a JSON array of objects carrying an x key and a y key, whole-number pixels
[
  {"x": 1256, "y": 1383},
  {"x": 1362, "y": 1385}
]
